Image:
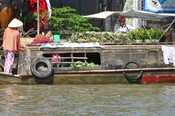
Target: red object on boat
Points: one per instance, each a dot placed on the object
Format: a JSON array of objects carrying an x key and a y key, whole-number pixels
[
  {"x": 42, "y": 6},
  {"x": 43, "y": 9}
]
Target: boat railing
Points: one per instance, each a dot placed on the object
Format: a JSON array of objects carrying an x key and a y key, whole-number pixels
[
  {"x": 71, "y": 58},
  {"x": 65, "y": 61}
]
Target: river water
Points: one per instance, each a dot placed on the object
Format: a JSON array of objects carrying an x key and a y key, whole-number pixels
[{"x": 88, "y": 100}]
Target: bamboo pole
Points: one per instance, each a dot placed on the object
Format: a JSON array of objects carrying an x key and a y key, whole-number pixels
[
  {"x": 119, "y": 70},
  {"x": 167, "y": 29}
]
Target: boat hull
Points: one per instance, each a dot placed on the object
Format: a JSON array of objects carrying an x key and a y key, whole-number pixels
[
  {"x": 108, "y": 77},
  {"x": 148, "y": 79},
  {"x": 72, "y": 78}
]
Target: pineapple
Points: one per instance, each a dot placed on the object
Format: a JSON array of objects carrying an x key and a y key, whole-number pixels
[
  {"x": 81, "y": 40},
  {"x": 103, "y": 39},
  {"x": 93, "y": 39}
]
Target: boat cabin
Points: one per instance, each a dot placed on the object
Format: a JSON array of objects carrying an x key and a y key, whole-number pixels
[{"x": 85, "y": 58}]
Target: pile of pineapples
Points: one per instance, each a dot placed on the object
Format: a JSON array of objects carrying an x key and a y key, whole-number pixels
[{"x": 101, "y": 37}]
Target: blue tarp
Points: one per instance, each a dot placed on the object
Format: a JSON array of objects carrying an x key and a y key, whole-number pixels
[{"x": 159, "y": 6}]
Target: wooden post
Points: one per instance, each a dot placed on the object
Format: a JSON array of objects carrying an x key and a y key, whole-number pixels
[{"x": 38, "y": 18}]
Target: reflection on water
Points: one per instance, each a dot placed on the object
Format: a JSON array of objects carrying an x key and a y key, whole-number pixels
[{"x": 88, "y": 100}]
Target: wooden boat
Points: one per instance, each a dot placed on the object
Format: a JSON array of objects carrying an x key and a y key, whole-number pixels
[{"x": 140, "y": 64}]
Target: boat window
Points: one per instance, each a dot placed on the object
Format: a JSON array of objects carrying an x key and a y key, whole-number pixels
[
  {"x": 94, "y": 57},
  {"x": 70, "y": 59}
]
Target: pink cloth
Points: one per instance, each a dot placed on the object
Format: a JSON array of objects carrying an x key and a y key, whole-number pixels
[
  {"x": 56, "y": 58},
  {"x": 9, "y": 59}
]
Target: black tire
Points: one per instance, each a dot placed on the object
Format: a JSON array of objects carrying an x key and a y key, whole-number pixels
[
  {"x": 136, "y": 78},
  {"x": 41, "y": 68}
]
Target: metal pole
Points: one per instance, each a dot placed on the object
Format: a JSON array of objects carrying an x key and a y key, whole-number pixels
[
  {"x": 38, "y": 18},
  {"x": 167, "y": 29},
  {"x": 136, "y": 7}
]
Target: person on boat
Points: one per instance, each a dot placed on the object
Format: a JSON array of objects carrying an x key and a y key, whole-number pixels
[
  {"x": 11, "y": 43},
  {"x": 121, "y": 25}
]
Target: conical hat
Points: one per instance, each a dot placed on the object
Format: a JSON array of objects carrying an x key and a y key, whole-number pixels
[{"x": 15, "y": 23}]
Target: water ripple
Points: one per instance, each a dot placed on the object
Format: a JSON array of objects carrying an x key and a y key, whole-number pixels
[{"x": 88, "y": 100}]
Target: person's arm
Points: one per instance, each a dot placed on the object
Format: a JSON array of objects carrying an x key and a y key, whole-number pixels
[{"x": 18, "y": 43}]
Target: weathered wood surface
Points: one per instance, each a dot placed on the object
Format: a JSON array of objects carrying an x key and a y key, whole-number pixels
[
  {"x": 112, "y": 56},
  {"x": 111, "y": 77},
  {"x": 73, "y": 78}
]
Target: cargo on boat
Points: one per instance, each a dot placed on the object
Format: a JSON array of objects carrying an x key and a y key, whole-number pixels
[{"x": 91, "y": 63}]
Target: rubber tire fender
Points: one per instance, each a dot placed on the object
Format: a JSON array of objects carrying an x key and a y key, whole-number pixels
[
  {"x": 133, "y": 77},
  {"x": 44, "y": 61}
]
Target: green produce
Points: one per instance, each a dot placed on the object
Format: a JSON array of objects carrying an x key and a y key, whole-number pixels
[{"x": 79, "y": 65}]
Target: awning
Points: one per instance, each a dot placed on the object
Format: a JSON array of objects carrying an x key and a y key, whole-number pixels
[
  {"x": 102, "y": 15},
  {"x": 146, "y": 15}
]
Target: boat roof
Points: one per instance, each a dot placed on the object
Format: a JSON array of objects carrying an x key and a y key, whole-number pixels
[
  {"x": 102, "y": 15},
  {"x": 145, "y": 15}
]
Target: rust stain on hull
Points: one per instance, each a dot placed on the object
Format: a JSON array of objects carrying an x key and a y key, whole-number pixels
[{"x": 147, "y": 79}]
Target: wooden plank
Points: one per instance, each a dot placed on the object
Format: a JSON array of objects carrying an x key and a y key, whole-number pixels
[
  {"x": 115, "y": 70},
  {"x": 66, "y": 62},
  {"x": 81, "y": 58}
]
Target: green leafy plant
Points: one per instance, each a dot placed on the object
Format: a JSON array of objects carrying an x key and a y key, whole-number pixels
[
  {"x": 65, "y": 21},
  {"x": 155, "y": 33},
  {"x": 138, "y": 34}
]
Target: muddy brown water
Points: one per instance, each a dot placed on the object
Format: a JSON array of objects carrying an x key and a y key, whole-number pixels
[{"x": 88, "y": 100}]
